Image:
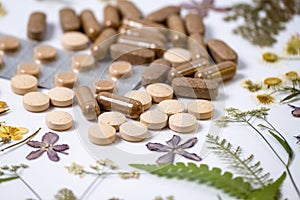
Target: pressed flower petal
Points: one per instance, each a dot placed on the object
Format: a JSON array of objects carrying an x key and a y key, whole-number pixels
[
  {"x": 50, "y": 138},
  {"x": 52, "y": 155},
  {"x": 167, "y": 158},
  {"x": 189, "y": 143},
  {"x": 35, "y": 144},
  {"x": 174, "y": 141},
  {"x": 157, "y": 147},
  {"x": 296, "y": 111},
  {"x": 191, "y": 156},
  {"x": 35, "y": 154},
  {"x": 60, "y": 147},
  {"x": 22, "y": 130},
  {"x": 16, "y": 137}
]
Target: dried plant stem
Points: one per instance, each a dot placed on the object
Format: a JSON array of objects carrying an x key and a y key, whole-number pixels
[
  {"x": 90, "y": 186},
  {"x": 29, "y": 187}
]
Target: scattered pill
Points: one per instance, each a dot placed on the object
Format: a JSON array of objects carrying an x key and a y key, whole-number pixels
[
  {"x": 156, "y": 72},
  {"x": 177, "y": 56},
  {"x": 65, "y": 79},
  {"x": 59, "y": 120},
  {"x": 183, "y": 123},
  {"x": 162, "y": 14},
  {"x": 154, "y": 119},
  {"x": 177, "y": 34},
  {"x": 141, "y": 96},
  {"x": 141, "y": 24},
  {"x": 201, "y": 109},
  {"x": 197, "y": 47},
  {"x": 44, "y": 53},
  {"x": 36, "y": 101},
  {"x": 69, "y": 21},
  {"x": 160, "y": 92},
  {"x": 74, "y": 41},
  {"x": 152, "y": 33},
  {"x": 104, "y": 86},
  {"x": 90, "y": 24},
  {"x": 119, "y": 69},
  {"x": 9, "y": 44},
  {"x": 102, "y": 134},
  {"x": 82, "y": 62},
  {"x": 23, "y": 83},
  {"x": 114, "y": 119},
  {"x": 36, "y": 27},
  {"x": 128, "y": 9},
  {"x": 111, "y": 17},
  {"x": 220, "y": 51},
  {"x": 194, "y": 24},
  {"x": 171, "y": 106},
  {"x": 133, "y": 131},
  {"x": 61, "y": 96},
  {"x": 29, "y": 68}
]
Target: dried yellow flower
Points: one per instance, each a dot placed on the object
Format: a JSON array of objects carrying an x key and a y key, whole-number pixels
[
  {"x": 15, "y": 133},
  {"x": 270, "y": 57},
  {"x": 293, "y": 45},
  {"x": 3, "y": 104},
  {"x": 265, "y": 98},
  {"x": 292, "y": 76},
  {"x": 272, "y": 81}
]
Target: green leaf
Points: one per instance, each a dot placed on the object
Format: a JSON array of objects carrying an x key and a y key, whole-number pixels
[
  {"x": 2, "y": 180},
  {"x": 285, "y": 145},
  {"x": 289, "y": 97},
  {"x": 268, "y": 192},
  {"x": 234, "y": 186}
]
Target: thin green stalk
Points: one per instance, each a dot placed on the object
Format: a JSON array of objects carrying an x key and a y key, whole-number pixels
[
  {"x": 90, "y": 186},
  {"x": 29, "y": 187}
]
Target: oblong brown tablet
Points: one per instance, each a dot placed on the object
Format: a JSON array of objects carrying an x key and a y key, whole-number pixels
[
  {"x": 69, "y": 21},
  {"x": 221, "y": 51},
  {"x": 201, "y": 109},
  {"x": 128, "y": 9},
  {"x": 61, "y": 96},
  {"x": 183, "y": 123},
  {"x": 74, "y": 41},
  {"x": 104, "y": 86},
  {"x": 44, "y": 53},
  {"x": 141, "y": 96},
  {"x": 9, "y": 44},
  {"x": 197, "y": 47},
  {"x": 162, "y": 14},
  {"x": 65, "y": 79},
  {"x": 160, "y": 92},
  {"x": 102, "y": 134},
  {"x": 23, "y": 83},
  {"x": 114, "y": 119},
  {"x": 194, "y": 24},
  {"x": 178, "y": 35},
  {"x": 29, "y": 68},
  {"x": 133, "y": 131},
  {"x": 36, "y": 27},
  {"x": 36, "y": 101},
  {"x": 111, "y": 17},
  {"x": 154, "y": 119},
  {"x": 90, "y": 24},
  {"x": 59, "y": 120}
]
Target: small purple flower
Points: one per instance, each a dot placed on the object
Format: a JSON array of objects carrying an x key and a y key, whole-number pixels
[
  {"x": 47, "y": 144},
  {"x": 173, "y": 148},
  {"x": 296, "y": 111},
  {"x": 298, "y": 138}
]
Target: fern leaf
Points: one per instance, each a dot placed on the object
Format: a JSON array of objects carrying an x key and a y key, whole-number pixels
[
  {"x": 234, "y": 186},
  {"x": 252, "y": 172}
]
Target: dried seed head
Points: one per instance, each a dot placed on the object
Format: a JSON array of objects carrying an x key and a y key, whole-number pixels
[
  {"x": 272, "y": 81},
  {"x": 265, "y": 98},
  {"x": 270, "y": 57}
]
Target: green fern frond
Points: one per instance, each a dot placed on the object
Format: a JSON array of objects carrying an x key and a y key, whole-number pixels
[
  {"x": 234, "y": 186},
  {"x": 245, "y": 167}
]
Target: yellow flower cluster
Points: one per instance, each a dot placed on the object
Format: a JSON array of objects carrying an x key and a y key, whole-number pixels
[{"x": 11, "y": 132}]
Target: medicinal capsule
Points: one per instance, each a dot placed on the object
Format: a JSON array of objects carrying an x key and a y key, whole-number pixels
[
  {"x": 69, "y": 21},
  {"x": 111, "y": 17},
  {"x": 130, "y": 107},
  {"x": 90, "y": 24},
  {"x": 162, "y": 14},
  {"x": 151, "y": 33},
  {"x": 36, "y": 27},
  {"x": 197, "y": 46},
  {"x": 86, "y": 100},
  {"x": 177, "y": 34},
  {"x": 129, "y": 9},
  {"x": 221, "y": 51}
]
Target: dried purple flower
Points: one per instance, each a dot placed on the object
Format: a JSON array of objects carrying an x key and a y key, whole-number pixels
[
  {"x": 298, "y": 138},
  {"x": 296, "y": 111},
  {"x": 202, "y": 8},
  {"x": 47, "y": 144},
  {"x": 173, "y": 148}
]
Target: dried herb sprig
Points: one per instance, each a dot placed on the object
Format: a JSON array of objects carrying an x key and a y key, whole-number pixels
[
  {"x": 65, "y": 194},
  {"x": 293, "y": 45},
  {"x": 2, "y": 10},
  {"x": 234, "y": 115},
  {"x": 263, "y": 20}
]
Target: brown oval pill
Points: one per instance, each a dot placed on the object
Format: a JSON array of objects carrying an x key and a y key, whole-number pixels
[
  {"x": 29, "y": 68},
  {"x": 65, "y": 79},
  {"x": 162, "y": 14},
  {"x": 194, "y": 24},
  {"x": 201, "y": 109},
  {"x": 114, "y": 119},
  {"x": 220, "y": 51},
  {"x": 61, "y": 96},
  {"x": 90, "y": 24},
  {"x": 44, "y": 53},
  {"x": 9, "y": 44},
  {"x": 160, "y": 92},
  {"x": 74, "y": 41},
  {"x": 133, "y": 131},
  {"x": 102, "y": 134},
  {"x": 36, "y": 27},
  {"x": 59, "y": 120},
  {"x": 82, "y": 62},
  {"x": 23, "y": 83},
  {"x": 36, "y": 101},
  {"x": 100, "y": 47},
  {"x": 178, "y": 35},
  {"x": 128, "y": 9},
  {"x": 118, "y": 69},
  {"x": 154, "y": 119},
  {"x": 197, "y": 47},
  {"x": 183, "y": 123},
  {"x": 104, "y": 86},
  {"x": 111, "y": 17},
  {"x": 69, "y": 21}
]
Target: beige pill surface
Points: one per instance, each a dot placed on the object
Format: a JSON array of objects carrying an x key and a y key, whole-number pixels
[
  {"x": 171, "y": 106},
  {"x": 133, "y": 131},
  {"x": 36, "y": 101},
  {"x": 183, "y": 123},
  {"x": 160, "y": 92},
  {"x": 118, "y": 69},
  {"x": 104, "y": 86},
  {"x": 154, "y": 119},
  {"x": 44, "y": 53},
  {"x": 23, "y": 83},
  {"x": 61, "y": 96},
  {"x": 102, "y": 134},
  {"x": 74, "y": 41},
  {"x": 201, "y": 109},
  {"x": 65, "y": 79},
  {"x": 177, "y": 56},
  {"x": 59, "y": 120},
  {"x": 29, "y": 68},
  {"x": 82, "y": 62},
  {"x": 114, "y": 119},
  {"x": 141, "y": 96},
  {"x": 9, "y": 44}
]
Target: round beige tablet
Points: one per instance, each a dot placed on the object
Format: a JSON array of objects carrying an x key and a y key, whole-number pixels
[
  {"x": 201, "y": 109},
  {"x": 133, "y": 131},
  {"x": 177, "y": 55},
  {"x": 160, "y": 91},
  {"x": 59, "y": 120},
  {"x": 29, "y": 68},
  {"x": 114, "y": 119},
  {"x": 104, "y": 86},
  {"x": 74, "y": 41},
  {"x": 102, "y": 134},
  {"x": 36, "y": 101},
  {"x": 82, "y": 62},
  {"x": 23, "y": 83},
  {"x": 183, "y": 122},
  {"x": 44, "y": 53},
  {"x": 65, "y": 79},
  {"x": 61, "y": 96},
  {"x": 141, "y": 96},
  {"x": 171, "y": 106},
  {"x": 154, "y": 119},
  {"x": 118, "y": 69},
  {"x": 9, "y": 43}
]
